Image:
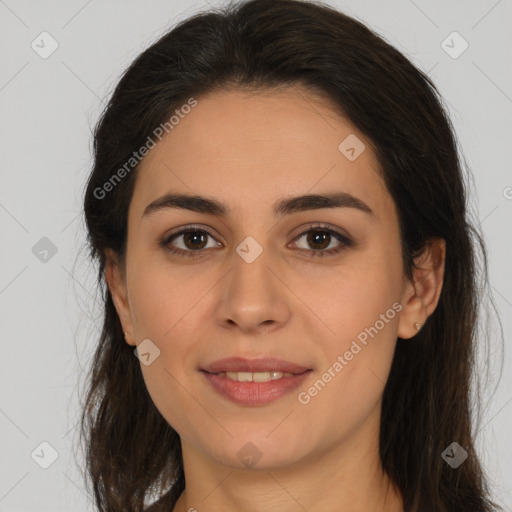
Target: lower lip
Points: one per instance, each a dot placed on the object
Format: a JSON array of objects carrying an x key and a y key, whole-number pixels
[{"x": 255, "y": 393}]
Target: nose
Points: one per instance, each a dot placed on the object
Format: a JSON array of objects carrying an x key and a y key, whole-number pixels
[{"x": 254, "y": 295}]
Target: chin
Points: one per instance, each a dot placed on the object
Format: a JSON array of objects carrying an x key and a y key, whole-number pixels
[{"x": 258, "y": 453}]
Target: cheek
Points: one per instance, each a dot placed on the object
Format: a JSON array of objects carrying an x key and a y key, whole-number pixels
[
  {"x": 159, "y": 296},
  {"x": 363, "y": 315},
  {"x": 350, "y": 383},
  {"x": 163, "y": 304},
  {"x": 358, "y": 295}
]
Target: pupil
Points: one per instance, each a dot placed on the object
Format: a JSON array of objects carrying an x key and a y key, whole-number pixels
[
  {"x": 196, "y": 236},
  {"x": 319, "y": 235}
]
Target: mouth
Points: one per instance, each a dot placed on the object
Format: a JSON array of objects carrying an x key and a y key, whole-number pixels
[
  {"x": 254, "y": 382},
  {"x": 255, "y": 376},
  {"x": 242, "y": 365}
]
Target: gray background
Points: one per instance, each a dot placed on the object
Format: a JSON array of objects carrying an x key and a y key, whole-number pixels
[{"x": 49, "y": 314}]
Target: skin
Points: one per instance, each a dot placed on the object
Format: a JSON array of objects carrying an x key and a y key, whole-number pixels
[{"x": 249, "y": 151}]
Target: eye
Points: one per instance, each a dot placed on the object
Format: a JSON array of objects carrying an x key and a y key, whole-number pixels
[
  {"x": 193, "y": 240},
  {"x": 320, "y": 237}
]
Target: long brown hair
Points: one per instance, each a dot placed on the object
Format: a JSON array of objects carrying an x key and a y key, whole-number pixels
[{"x": 258, "y": 45}]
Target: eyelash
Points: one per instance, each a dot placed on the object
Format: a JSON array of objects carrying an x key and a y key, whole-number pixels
[{"x": 344, "y": 241}]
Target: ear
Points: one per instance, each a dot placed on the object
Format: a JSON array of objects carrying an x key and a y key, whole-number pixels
[
  {"x": 115, "y": 278},
  {"x": 420, "y": 297}
]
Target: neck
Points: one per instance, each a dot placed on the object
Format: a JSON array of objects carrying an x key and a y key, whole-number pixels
[{"x": 347, "y": 477}]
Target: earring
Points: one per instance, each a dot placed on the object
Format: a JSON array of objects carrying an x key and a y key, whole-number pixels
[{"x": 417, "y": 325}]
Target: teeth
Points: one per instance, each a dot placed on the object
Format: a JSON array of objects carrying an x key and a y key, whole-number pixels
[{"x": 255, "y": 377}]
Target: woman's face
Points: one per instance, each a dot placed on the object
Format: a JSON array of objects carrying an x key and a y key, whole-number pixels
[{"x": 257, "y": 286}]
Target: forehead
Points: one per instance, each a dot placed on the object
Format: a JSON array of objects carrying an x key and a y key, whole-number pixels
[{"x": 251, "y": 149}]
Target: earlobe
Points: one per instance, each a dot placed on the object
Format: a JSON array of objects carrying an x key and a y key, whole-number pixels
[
  {"x": 420, "y": 297},
  {"x": 115, "y": 279}
]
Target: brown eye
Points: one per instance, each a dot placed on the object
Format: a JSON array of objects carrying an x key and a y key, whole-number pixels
[
  {"x": 194, "y": 239},
  {"x": 319, "y": 238},
  {"x": 188, "y": 242}
]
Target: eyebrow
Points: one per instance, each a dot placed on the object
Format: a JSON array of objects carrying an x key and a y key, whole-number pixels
[{"x": 286, "y": 206}]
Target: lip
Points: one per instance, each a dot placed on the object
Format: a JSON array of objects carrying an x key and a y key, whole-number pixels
[
  {"x": 254, "y": 393},
  {"x": 266, "y": 364}
]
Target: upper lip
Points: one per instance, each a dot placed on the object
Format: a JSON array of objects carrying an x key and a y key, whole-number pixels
[{"x": 266, "y": 364}]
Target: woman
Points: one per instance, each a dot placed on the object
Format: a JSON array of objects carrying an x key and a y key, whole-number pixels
[{"x": 279, "y": 216}]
